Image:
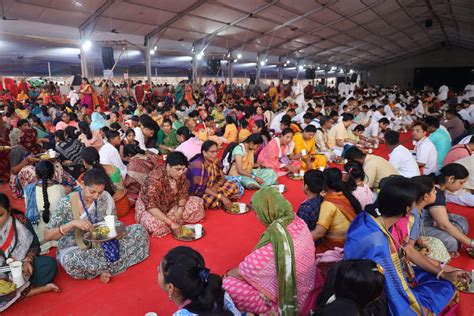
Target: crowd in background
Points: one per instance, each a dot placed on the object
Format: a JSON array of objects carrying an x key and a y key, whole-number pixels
[{"x": 170, "y": 154}]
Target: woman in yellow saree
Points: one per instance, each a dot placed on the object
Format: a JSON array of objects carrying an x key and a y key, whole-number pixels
[{"x": 305, "y": 145}]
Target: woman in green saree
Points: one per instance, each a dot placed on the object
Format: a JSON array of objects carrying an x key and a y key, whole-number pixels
[{"x": 167, "y": 139}]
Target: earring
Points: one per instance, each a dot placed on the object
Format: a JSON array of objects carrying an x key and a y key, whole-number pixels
[{"x": 169, "y": 296}]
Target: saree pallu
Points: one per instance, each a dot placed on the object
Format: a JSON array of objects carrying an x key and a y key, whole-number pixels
[
  {"x": 203, "y": 175},
  {"x": 258, "y": 291},
  {"x": 367, "y": 239},
  {"x": 4, "y": 164},
  {"x": 138, "y": 169},
  {"x": 273, "y": 153}
]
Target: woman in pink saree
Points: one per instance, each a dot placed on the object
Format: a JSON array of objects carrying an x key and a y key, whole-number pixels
[
  {"x": 278, "y": 154},
  {"x": 88, "y": 95},
  {"x": 280, "y": 276}
]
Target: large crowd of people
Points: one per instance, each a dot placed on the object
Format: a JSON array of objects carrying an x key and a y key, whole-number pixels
[{"x": 170, "y": 154}]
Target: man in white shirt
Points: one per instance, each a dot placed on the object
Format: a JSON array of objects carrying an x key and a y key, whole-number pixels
[
  {"x": 443, "y": 92},
  {"x": 109, "y": 155},
  {"x": 378, "y": 114},
  {"x": 400, "y": 157},
  {"x": 297, "y": 92},
  {"x": 341, "y": 88},
  {"x": 426, "y": 154}
]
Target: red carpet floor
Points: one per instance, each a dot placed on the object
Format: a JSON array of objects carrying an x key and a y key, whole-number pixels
[{"x": 228, "y": 239}]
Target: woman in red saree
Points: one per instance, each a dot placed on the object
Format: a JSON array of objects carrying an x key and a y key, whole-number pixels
[
  {"x": 88, "y": 95},
  {"x": 337, "y": 211},
  {"x": 188, "y": 93}
]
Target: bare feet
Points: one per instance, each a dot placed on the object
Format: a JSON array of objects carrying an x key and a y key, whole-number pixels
[
  {"x": 50, "y": 287},
  {"x": 105, "y": 277}
]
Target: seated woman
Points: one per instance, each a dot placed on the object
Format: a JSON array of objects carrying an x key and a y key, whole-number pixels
[
  {"x": 280, "y": 275},
  {"x": 208, "y": 180},
  {"x": 139, "y": 166},
  {"x": 230, "y": 132},
  {"x": 77, "y": 212},
  {"x": 41, "y": 200},
  {"x": 114, "y": 186},
  {"x": 278, "y": 154},
  {"x": 343, "y": 283},
  {"x": 164, "y": 204},
  {"x": 69, "y": 148},
  {"x": 409, "y": 291},
  {"x": 354, "y": 176},
  {"x": 242, "y": 164},
  {"x": 166, "y": 140},
  {"x": 408, "y": 231},
  {"x": 259, "y": 127},
  {"x": 89, "y": 138},
  {"x": 450, "y": 228},
  {"x": 305, "y": 145},
  {"x": 337, "y": 211},
  {"x": 22, "y": 167},
  {"x": 129, "y": 138},
  {"x": 244, "y": 131},
  {"x": 41, "y": 131},
  {"x": 322, "y": 137},
  {"x": 29, "y": 137},
  {"x": 182, "y": 273},
  {"x": 20, "y": 242},
  {"x": 109, "y": 154},
  {"x": 190, "y": 146},
  {"x": 313, "y": 186}
]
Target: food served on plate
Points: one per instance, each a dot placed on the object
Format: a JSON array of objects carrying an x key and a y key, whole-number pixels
[
  {"x": 100, "y": 232},
  {"x": 185, "y": 233},
  {"x": 462, "y": 286},
  {"x": 6, "y": 287}
]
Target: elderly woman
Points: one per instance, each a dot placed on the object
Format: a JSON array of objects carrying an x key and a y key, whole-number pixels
[
  {"x": 242, "y": 164},
  {"x": 23, "y": 245},
  {"x": 22, "y": 167},
  {"x": 164, "y": 204},
  {"x": 208, "y": 180},
  {"x": 278, "y": 154},
  {"x": 77, "y": 212},
  {"x": 279, "y": 276}
]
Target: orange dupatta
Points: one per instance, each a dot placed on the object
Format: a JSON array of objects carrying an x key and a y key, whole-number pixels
[{"x": 342, "y": 203}]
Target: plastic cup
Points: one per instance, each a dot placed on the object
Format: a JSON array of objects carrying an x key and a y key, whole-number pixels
[
  {"x": 281, "y": 188},
  {"x": 17, "y": 273},
  {"x": 151, "y": 314},
  {"x": 370, "y": 151},
  {"x": 198, "y": 230},
  {"x": 303, "y": 152},
  {"x": 376, "y": 145},
  {"x": 110, "y": 222},
  {"x": 242, "y": 207},
  {"x": 51, "y": 153},
  {"x": 301, "y": 173},
  {"x": 164, "y": 157}
]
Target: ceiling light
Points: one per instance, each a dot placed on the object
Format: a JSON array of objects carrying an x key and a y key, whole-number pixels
[
  {"x": 319, "y": 68},
  {"x": 199, "y": 56},
  {"x": 192, "y": 49},
  {"x": 77, "y": 3},
  {"x": 262, "y": 63},
  {"x": 86, "y": 45},
  {"x": 341, "y": 71},
  {"x": 155, "y": 48},
  {"x": 235, "y": 60},
  {"x": 266, "y": 59},
  {"x": 239, "y": 56},
  {"x": 152, "y": 52},
  {"x": 300, "y": 67}
]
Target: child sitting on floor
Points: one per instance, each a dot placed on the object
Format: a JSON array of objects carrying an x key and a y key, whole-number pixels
[{"x": 312, "y": 187}]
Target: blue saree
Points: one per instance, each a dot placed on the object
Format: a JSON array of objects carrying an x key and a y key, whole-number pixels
[{"x": 367, "y": 239}]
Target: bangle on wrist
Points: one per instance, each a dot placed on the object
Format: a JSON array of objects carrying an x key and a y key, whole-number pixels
[
  {"x": 61, "y": 231},
  {"x": 439, "y": 273}
]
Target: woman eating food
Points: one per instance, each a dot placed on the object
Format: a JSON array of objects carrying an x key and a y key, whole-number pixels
[{"x": 78, "y": 212}]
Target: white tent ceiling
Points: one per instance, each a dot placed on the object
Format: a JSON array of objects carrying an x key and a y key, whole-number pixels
[{"x": 346, "y": 33}]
